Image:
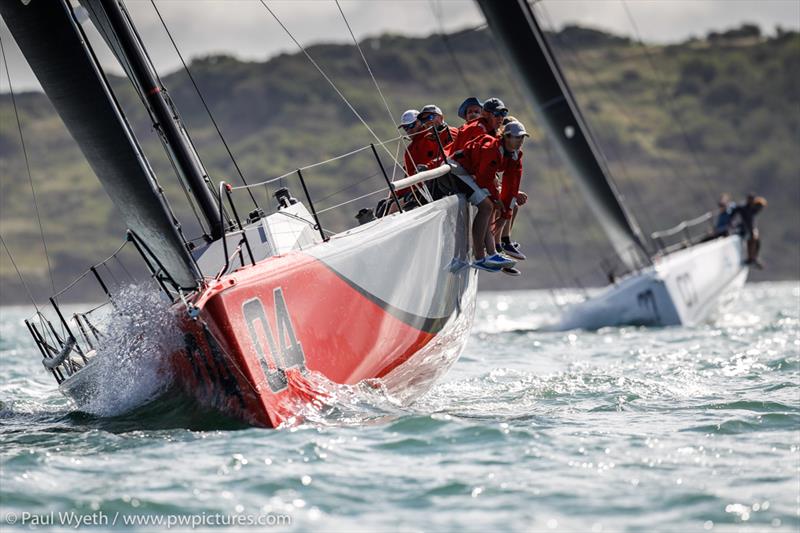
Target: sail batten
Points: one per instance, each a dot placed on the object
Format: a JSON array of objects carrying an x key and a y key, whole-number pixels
[
  {"x": 58, "y": 54},
  {"x": 514, "y": 25}
]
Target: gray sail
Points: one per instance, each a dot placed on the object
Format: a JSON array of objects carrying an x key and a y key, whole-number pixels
[
  {"x": 65, "y": 66},
  {"x": 514, "y": 25}
]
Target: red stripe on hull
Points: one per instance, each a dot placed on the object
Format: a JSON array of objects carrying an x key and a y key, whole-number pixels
[{"x": 315, "y": 319}]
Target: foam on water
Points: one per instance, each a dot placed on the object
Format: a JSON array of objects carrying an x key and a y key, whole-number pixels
[
  {"x": 130, "y": 367},
  {"x": 621, "y": 429}
]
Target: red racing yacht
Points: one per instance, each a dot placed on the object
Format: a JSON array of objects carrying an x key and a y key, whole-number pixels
[{"x": 273, "y": 308}]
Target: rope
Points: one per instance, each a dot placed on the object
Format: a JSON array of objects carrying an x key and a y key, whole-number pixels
[
  {"x": 551, "y": 260},
  {"x": 308, "y": 167},
  {"x": 203, "y": 100},
  {"x": 356, "y": 184},
  {"x": 366, "y": 64},
  {"x": 446, "y": 42},
  {"x": 327, "y": 78},
  {"x": 19, "y": 274},
  {"x": 28, "y": 167},
  {"x": 610, "y": 96},
  {"x": 662, "y": 92},
  {"x": 151, "y": 174},
  {"x": 351, "y": 201}
]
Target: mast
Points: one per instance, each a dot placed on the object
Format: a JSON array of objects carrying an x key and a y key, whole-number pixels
[
  {"x": 514, "y": 25},
  {"x": 168, "y": 122},
  {"x": 60, "y": 57}
]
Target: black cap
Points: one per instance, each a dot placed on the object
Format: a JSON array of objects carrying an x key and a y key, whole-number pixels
[{"x": 494, "y": 104}]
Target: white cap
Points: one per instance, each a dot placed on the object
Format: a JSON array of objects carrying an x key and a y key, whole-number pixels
[
  {"x": 431, "y": 108},
  {"x": 409, "y": 117},
  {"x": 516, "y": 129}
]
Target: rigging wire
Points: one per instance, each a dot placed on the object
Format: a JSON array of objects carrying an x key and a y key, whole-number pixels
[
  {"x": 610, "y": 96},
  {"x": 28, "y": 167},
  {"x": 176, "y": 117},
  {"x": 19, "y": 274},
  {"x": 109, "y": 38},
  {"x": 377, "y": 86},
  {"x": 437, "y": 14},
  {"x": 513, "y": 82},
  {"x": 664, "y": 95},
  {"x": 203, "y": 100},
  {"x": 366, "y": 64},
  {"x": 601, "y": 158},
  {"x": 327, "y": 78}
]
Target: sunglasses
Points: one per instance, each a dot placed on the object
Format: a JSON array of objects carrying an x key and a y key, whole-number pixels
[
  {"x": 408, "y": 127},
  {"x": 427, "y": 118},
  {"x": 503, "y": 113}
]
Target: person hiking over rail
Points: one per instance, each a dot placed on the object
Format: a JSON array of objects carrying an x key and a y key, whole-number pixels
[
  {"x": 492, "y": 115},
  {"x": 513, "y": 134},
  {"x": 747, "y": 215},
  {"x": 477, "y": 167}
]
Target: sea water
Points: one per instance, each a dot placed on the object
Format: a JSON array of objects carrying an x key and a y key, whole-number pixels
[{"x": 621, "y": 429}]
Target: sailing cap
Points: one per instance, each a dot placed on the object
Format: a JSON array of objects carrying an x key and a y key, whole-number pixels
[
  {"x": 408, "y": 118},
  {"x": 430, "y": 108},
  {"x": 494, "y": 104},
  {"x": 462, "y": 109},
  {"x": 516, "y": 129}
]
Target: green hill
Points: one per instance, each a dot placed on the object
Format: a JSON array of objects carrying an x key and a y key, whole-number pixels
[{"x": 679, "y": 124}]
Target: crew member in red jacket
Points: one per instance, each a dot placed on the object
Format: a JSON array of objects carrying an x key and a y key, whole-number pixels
[
  {"x": 494, "y": 111},
  {"x": 470, "y": 109},
  {"x": 431, "y": 115},
  {"x": 477, "y": 166},
  {"x": 510, "y": 196},
  {"x": 416, "y": 150}
]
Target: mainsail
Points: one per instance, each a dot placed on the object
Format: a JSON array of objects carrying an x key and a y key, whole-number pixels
[
  {"x": 115, "y": 25},
  {"x": 56, "y": 51},
  {"x": 513, "y": 23}
]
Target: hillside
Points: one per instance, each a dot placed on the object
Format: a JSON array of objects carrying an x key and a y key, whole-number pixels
[{"x": 715, "y": 114}]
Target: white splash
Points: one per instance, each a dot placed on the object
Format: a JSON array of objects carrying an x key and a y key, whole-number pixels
[{"x": 130, "y": 367}]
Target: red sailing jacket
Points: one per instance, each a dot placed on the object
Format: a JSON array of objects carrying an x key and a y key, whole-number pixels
[
  {"x": 511, "y": 180},
  {"x": 468, "y": 132},
  {"x": 485, "y": 158},
  {"x": 422, "y": 150}
]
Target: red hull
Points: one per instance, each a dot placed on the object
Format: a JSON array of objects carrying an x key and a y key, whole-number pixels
[
  {"x": 333, "y": 328},
  {"x": 354, "y": 308}
]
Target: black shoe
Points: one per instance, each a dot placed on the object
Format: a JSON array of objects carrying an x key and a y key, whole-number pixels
[{"x": 511, "y": 271}]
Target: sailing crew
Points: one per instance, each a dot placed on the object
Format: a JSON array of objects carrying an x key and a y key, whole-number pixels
[
  {"x": 423, "y": 147},
  {"x": 411, "y": 126},
  {"x": 513, "y": 134},
  {"x": 492, "y": 114},
  {"x": 747, "y": 215},
  {"x": 470, "y": 109},
  {"x": 722, "y": 227},
  {"x": 477, "y": 166},
  {"x": 431, "y": 115}
]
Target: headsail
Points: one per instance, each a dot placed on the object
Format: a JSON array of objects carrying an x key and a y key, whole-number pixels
[
  {"x": 513, "y": 23},
  {"x": 56, "y": 51}
]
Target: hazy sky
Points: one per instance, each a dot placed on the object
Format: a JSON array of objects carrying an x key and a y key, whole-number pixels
[{"x": 245, "y": 29}]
